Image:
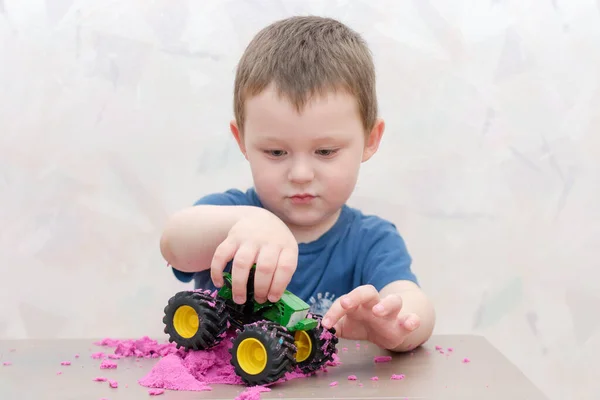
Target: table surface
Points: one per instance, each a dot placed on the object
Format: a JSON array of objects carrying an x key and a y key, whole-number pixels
[{"x": 429, "y": 374}]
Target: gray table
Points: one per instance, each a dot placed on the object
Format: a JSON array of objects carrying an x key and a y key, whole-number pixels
[{"x": 429, "y": 374}]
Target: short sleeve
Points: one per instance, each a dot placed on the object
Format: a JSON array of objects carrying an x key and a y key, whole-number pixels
[
  {"x": 231, "y": 197},
  {"x": 384, "y": 257}
]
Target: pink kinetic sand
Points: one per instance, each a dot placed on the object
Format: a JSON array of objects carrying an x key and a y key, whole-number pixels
[
  {"x": 252, "y": 393},
  {"x": 155, "y": 392},
  {"x": 195, "y": 370},
  {"x": 397, "y": 377},
  {"x": 143, "y": 348},
  {"x": 65, "y": 363},
  {"x": 336, "y": 361},
  {"x": 178, "y": 369},
  {"x": 352, "y": 378},
  {"x": 381, "y": 359},
  {"x": 466, "y": 360},
  {"x": 334, "y": 383},
  {"x": 107, "y": 365}
]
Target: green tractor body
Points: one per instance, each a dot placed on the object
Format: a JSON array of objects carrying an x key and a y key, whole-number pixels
[
  {"x": 269, "y": 339},
  {"x": 290, "y": 311}
]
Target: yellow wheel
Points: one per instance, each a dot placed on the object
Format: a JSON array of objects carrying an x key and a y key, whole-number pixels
[
  {"x": 321, "y": 350},
  {"x": 252, "y": 356},
  {"x": 186, "y": 322},
  {"x": 262, "y": 353},
  {"x": 303, "y": 343},
  {"x": 195, "y": 320}
]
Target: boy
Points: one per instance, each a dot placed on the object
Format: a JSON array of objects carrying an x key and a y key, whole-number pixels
[{"x": 305, "y": 119}]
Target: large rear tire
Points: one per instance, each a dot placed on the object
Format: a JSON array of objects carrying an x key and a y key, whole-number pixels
[{"x": 195, "y": 320}]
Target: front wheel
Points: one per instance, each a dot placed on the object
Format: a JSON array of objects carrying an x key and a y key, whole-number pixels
[
  {"x": 262, "y": 353},
  {"x": 315, "y": 347}
]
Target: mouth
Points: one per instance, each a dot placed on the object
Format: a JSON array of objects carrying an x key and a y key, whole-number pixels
[{"x": 302, "y": 198}]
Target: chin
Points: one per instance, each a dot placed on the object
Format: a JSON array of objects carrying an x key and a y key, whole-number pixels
[{"x": 307, "y": 219}]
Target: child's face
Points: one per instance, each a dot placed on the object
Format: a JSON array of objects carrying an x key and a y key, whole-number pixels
[{"x": 305, "y": 166}]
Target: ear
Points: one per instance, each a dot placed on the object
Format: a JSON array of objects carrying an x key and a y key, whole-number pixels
[
  {"x": 238, "y": 137},
  {"x": 373, "y": 140}
]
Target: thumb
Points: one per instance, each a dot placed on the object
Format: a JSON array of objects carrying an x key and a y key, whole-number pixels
[{"x": 409, "y": 322}]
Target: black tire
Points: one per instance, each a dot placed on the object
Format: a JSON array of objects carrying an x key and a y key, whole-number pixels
[
  {"x": 211, "y": 325},
  {"x": 319, "y": 357},
  {"x": 279, "y": 350}
]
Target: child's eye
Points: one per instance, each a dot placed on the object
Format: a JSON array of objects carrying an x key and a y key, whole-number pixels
[
  {"x": 275, "y": 153},
  {"x": 326, "y": 152}
]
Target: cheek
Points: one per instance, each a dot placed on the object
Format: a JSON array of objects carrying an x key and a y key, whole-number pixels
[
  {"x": 264, "y": 174},
  {"x": 343, "y": 175}
]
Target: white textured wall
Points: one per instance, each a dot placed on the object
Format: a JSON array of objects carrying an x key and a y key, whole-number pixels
[{"x": 114, "y": 114}]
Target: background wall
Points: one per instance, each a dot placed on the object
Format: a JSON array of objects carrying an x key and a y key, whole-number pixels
[{"x": 114, "y": 114}]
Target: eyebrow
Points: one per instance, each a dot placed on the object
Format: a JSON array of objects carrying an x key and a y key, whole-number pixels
[{"x": 323, "y": 138}]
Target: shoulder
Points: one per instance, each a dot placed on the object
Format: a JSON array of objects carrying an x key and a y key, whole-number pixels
[
  {"x": 231, "y": 197},
  {"x": 381, "y": 253},
  {"x": 371, "y": 228}
]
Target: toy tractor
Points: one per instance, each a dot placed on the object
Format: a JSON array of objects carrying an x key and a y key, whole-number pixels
[{"x": 270, "y": 339}]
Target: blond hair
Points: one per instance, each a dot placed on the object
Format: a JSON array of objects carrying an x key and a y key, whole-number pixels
[{"x": 305, "y": 56}]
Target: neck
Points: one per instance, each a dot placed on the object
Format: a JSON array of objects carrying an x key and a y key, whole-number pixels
[{"x": 307, "y": 234}]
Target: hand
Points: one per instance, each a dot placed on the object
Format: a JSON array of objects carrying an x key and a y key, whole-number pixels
[
  {"x": 363, "y": 315},
  {"x": 261, "y": 238}
]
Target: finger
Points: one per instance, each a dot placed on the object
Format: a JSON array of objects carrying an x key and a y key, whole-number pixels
[
  {"x": 266, "y": 264},
  {"x": 365, "y": 295},
  {"x": 333, "y": 315},
  {"x": 347, "y": 330},
  {"x": 390, "y": 305},
  {"x": 409, "y": 321},
  {"x": 337, "y": 311},
  {"x": 286, "y": 266},
  {"x": 242, "y": 262},
  {"x": 223, "y": 254}
]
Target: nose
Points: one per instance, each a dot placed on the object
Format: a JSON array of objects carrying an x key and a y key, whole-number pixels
[{"x": 301, "y": 171}]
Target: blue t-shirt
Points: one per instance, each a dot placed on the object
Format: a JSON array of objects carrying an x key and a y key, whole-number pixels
[{"x": 358, "y": 250}]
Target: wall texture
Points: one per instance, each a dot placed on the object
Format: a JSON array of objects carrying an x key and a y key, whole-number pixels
[{"x": 114, "y": 114}]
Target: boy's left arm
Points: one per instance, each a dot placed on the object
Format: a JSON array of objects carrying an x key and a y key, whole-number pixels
[
  {"x": 415, "y": 304},
  {"x": 388, "y": 309},
  {"x": 399, "y": 318}
]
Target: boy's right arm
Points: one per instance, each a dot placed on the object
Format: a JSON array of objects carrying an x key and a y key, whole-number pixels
[
  {"x": 209, "y": 236},
  {"x": 191, "y": 235}
]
